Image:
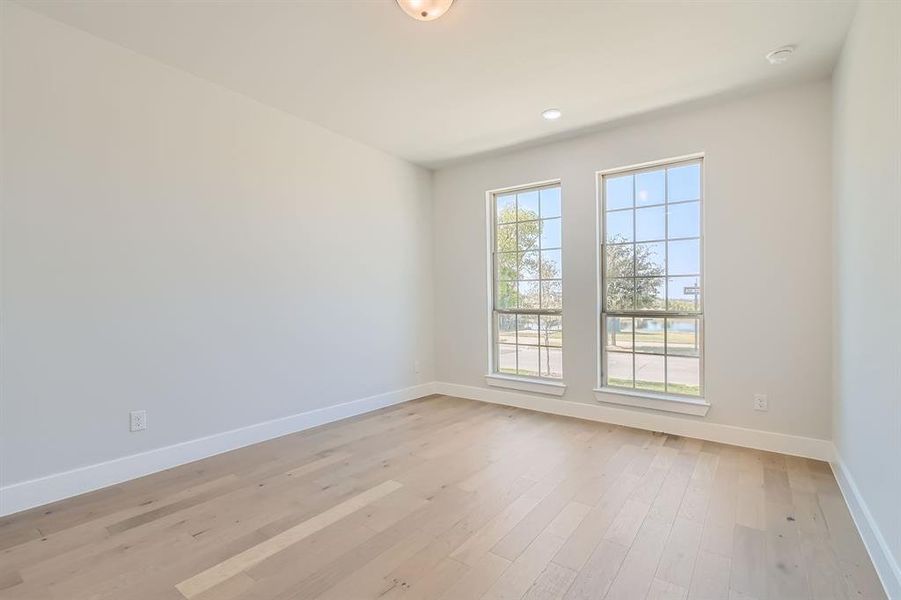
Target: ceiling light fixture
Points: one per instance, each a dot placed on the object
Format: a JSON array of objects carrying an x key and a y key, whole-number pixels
[
  {"x": 425, "y": 10},
  {"x": 780, "y": 55},
  {"x": 552, "y": 114}
]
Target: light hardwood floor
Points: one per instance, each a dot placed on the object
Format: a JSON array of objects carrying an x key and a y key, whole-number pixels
[{"x": 442, "y": 498}]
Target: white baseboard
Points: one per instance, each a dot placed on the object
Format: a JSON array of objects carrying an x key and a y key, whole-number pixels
[
  {"x": 726, "y": 434},
  {"x": 36, "y": 492},
  {"x": 880, "y": 554}
]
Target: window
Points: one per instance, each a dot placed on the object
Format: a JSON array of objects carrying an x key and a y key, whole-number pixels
[
  {"x": 652, "y": 312},
  {"x": 527, "y": 292}
]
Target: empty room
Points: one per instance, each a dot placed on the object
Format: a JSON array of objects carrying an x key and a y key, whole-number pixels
[{"x": 450, "y": 299}]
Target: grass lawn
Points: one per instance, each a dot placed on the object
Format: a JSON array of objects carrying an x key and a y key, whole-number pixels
[{"x": 657, "y": 386}]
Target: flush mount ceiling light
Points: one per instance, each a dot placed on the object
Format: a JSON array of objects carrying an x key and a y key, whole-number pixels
[
  {"x": 425, "y": 10},
  {"x": 552, "y": 114},
  {"x": 780, "y": 55}
]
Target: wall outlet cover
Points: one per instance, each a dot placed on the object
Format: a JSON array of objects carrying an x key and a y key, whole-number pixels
[
  {"x": 137, "y": 420},
  {"x": 761, "y": 402}
]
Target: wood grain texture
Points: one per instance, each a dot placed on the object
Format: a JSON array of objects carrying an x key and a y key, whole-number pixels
[
  {"x": 442, "y": 498},
  {"x": 252, "y": 556}
]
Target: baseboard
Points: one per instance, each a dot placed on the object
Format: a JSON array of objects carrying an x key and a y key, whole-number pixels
[
  {"x": 726, "y": 434},
  {"x": 886, "y": 566},
  {"x": 36, "y": 492}
]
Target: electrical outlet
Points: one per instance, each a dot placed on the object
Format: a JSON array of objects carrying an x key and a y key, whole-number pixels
[
  {"x": 417, "y": 367},
  {"x": 137, "y": 420},
  {"x": 760, "y": 402}
]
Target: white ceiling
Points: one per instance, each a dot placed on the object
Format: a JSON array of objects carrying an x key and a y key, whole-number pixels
[{"x": 476, "y": 79}]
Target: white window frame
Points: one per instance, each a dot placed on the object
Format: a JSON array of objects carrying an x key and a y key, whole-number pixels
[
  {"x": 538, "y": 384},
  {"x": 671, "y": 402}
]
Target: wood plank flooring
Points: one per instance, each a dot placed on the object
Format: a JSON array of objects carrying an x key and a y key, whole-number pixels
[{"x": 443, "y": 498}]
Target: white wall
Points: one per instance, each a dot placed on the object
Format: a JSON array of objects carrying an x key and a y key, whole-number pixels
[
  {"x": 768, "y": 257},
  {"x": 867, "y": 421},
  {"x": 173, "y": 246}
]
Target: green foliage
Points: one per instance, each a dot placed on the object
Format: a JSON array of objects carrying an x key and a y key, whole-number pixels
[
  {"x": 624, "y": 260},
  {"x": 529, "y": 231},
  {"x": 683, "y": 305},
  {"x": 517, "y": 253}
]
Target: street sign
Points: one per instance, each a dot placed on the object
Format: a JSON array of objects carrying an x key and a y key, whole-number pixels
[{"x": 693, "y": 289}]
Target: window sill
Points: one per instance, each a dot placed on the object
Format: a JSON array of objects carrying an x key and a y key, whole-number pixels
[
  {"x": 526, "y": 384},
  {"x": 665, "y": 402}
]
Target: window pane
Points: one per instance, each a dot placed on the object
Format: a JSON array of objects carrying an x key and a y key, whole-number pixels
[
  {"x": 649, "y": 335},
  {"x": 551, "y": 361},
  {"x": 650, "y": 188},
  {"x": 650, "y": 223},
  {"x": 551, "y": 330},
  {"x": 528, "y": 294},
  {"x": 684, "y": 220},
  {"x": 550, "y": 202},
  {"x": 619, "y": 226},
  {"x": 620, "y": 259},
  {"x": 683, "y": 375},
  {"x": 552, "y": 294},
  {"x": 506, "y": 208},
  {"x": 528, "y": 235},
  {"x": 682, "y": 337},
  {"x": 550, "y": 233},
  {"x": 506, "y": 329},
  {"x": 619, "y": 333},
  {"x": 527, "y": 205},
  {"x": 506, "y": 238},
  {"x": 684, "y": 257},
  {"x": 649, "y": 372},
  {"x": 620, "y": 294},
  {"x": 528, "y": 277},
  {"x": 619, "y": 192},
  {"x": 683, "y": 294},
  {"x": 506, "y": 294},
  {"x": 551, "y": 264},
  {"x": 506, "y": 266},
  {"x": 650, "y": 258},
  {"x": 652, "y": 262},
  {"x": 528, "y": 330},
  {"x": 684, "y": 183},
  {"x": 506, "y": 358},
  {"x": 619, "y": 369},
  {"x": 649, "y": 293},
  {"x": 528, "y": 265},
  {"x": 528, "y": 360}
]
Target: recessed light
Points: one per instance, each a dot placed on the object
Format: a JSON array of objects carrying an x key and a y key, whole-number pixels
[
  {"x": 552, "y": 114},
  {"x": 780, "y": 55},
  {"x": 425, "y": 10}
]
